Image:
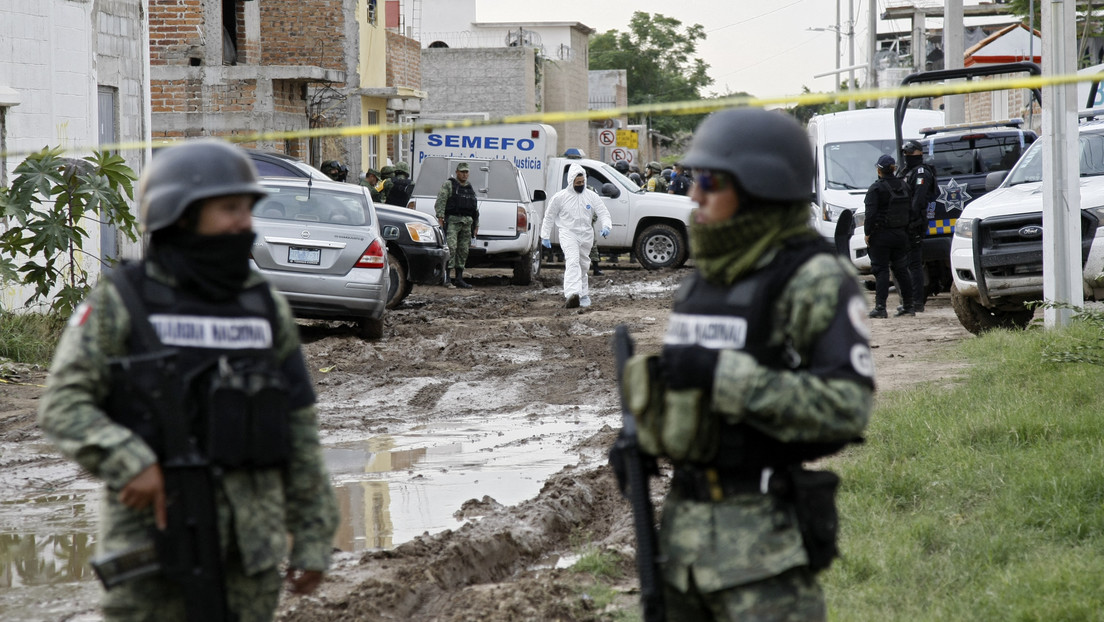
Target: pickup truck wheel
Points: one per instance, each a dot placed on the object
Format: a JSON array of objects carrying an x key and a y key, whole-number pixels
[
  {"x": 528, "y": 268},
  {"x": 978, "y": 319},
  {"x": 660, "y": 246},
  {"x": 370, "y": 329},
  {"x": 400, "y": 287}
]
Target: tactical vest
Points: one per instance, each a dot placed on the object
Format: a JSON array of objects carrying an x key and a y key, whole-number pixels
[
  {"x": 205, "y": 369},
  {"x": 740, "y": 317},
  {"x": 400, "y": 191},
  {"x": 462, "y": 201}
]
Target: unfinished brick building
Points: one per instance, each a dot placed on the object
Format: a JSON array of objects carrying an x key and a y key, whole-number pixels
[{"x": 237, "y": 67}]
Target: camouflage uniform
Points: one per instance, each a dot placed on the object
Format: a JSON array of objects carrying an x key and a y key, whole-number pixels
[
  {"x": 765, "y": 366},
  {"x": 257, "y": 510},
  {"x": 458, "y": 229}
]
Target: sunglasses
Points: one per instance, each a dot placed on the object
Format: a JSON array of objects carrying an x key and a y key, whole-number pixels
[{"x": 712, "y": 181}]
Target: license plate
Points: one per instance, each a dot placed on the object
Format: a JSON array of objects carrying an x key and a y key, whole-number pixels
[{"x": 309, "y": 256}]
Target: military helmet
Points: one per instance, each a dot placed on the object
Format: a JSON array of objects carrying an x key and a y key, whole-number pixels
[
  {"x": 911, "y": 146},
  {"x": 622, "y": 167},
  {"x": 387, "y": 171},
  {"x": 766, "y": 151},
  {"x": 330, "y": 165},
  {"x": 181, "y": 175},
  {"x": 654, "y": 166},
  {"x": 403, "y": 167}
]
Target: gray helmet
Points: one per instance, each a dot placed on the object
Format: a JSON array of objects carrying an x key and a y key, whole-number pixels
[
  {"x": 622, "y": 167},
  {"x": 193, "y": 171},
  {"x": 911, "y": 146},
  {"x": 767, "y": 152},
  {"x": 654, "y": 166}
]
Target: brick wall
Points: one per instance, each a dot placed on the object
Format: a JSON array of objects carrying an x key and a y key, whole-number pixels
[
  {"x": 404, "y": 61},
  {"x": 175, "y": 31},
  {"x": 294, "y": 32}
]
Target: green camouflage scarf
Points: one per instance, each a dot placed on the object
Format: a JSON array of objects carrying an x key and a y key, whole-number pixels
[{"x": 723, "y": 252}]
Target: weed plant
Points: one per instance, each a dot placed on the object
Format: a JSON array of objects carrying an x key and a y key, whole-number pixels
[
  {"x": 981, "y": 499},
  {"x": 29, "y": 337}
]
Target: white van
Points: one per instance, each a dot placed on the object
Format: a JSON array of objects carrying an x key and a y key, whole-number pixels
[{"x": 846, "y": 145}]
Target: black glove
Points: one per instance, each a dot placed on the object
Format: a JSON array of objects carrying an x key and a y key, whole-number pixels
[
  {"x": 617, "y": 461},
  {"x": 689, "y": 367}
]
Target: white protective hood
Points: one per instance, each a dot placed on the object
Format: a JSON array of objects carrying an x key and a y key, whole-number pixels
[{"x": 573, "y": 211}]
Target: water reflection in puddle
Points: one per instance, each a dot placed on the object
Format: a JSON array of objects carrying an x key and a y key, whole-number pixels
[{"x": 393, "y": 488}]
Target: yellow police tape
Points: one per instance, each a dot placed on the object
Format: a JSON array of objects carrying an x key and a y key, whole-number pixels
[{"x": 701, "y": 106}]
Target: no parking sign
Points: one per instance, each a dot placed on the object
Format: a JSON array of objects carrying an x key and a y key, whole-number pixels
[
  {"x": 607, "y": 138},
  {"x": 621, "y": 153}
]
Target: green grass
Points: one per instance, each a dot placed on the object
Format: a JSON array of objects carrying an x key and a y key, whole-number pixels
[
  {"x": 981, "y": 499},
  {"x": 29, "y": 337}
]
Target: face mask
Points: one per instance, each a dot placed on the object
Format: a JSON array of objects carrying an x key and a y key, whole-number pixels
[
  {"x": 913, "y": 160},
  {"x": 214, "y": 265},
  {"x": 579, "y": 189}
]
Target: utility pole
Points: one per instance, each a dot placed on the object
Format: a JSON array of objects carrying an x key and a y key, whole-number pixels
[
  {"x": 1061, "y": 166},
  {"x": 954, "y": 106},
  {"x": 872, "y": 48},
  {"x": 851, "y": 50}
]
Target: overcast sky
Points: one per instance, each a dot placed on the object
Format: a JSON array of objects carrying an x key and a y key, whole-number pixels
[{"x": 762, "y": 47}]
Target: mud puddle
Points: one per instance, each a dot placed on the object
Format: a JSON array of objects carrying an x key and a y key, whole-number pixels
[{"x": 392, "y": 488}]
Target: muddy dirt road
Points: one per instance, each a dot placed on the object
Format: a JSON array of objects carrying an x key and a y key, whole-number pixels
[{"x": 467, "y": 448}]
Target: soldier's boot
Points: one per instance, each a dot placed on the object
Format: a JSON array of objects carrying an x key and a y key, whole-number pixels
[
  {"x": 907, "y": 309},
  {"x": 460, "y": 282},
  {"x": 595, "y": 269},
  {"x": 879, "y": 312}
]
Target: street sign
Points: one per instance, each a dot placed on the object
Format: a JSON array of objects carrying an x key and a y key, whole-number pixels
[
  {"x": 628, "y": 139},
  {"x": 607, "y": 138},
  {"x": 620, "y": 153}
]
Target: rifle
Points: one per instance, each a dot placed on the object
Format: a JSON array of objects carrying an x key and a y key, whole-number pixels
[
  {"x": 187, "y": 552},
  {"x": 627, "y": 450}
]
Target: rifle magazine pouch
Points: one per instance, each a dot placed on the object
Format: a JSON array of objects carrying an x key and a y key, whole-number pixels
[
  {"x": 270, "y": 423},
  {"x": 643, "y": 393},
  {"x": 689, "y": 429},
  {"x": 249, "y": 421},
  {"x": 814, "y": 498}
]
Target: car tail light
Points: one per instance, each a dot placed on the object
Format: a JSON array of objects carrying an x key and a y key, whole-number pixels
[
  {"x": 372, "y": 257},
  {"x": 522, "y": 219}
]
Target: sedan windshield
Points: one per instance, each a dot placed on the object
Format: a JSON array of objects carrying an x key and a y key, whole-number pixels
[{"x": 313, "y": 205}]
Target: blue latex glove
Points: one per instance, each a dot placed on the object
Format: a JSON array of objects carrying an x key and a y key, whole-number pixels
[
  {"x": 605, "y": 232},
  {"x": 546, "y": 243}
]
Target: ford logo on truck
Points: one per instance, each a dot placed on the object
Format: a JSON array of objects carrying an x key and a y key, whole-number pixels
[{"x": 1031, "y": 232}]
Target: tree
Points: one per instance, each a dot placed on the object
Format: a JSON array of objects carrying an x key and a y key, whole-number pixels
[
  {"x": 804, "y": 112},
  {"x": 45, "y": 207},
  {"x": 657, "y": 54},
  {"x": 1088, "y": 24}
]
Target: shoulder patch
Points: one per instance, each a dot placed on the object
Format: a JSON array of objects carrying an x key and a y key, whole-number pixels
[{"x": 80, "y": 314}]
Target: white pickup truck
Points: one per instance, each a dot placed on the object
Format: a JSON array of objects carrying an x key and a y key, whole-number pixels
[
  {"x": 651, "y": 225},
  {"x": 997, "y": 247}
]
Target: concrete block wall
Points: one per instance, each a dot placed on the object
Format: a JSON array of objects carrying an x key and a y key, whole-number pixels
[
  {"x": 57, "y": 55},
  {"x": 294, "y": 32},
  {"x": 500, "y": 81}
]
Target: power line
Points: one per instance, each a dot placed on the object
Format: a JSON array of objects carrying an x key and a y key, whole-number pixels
[{"x": 744, "y": 21}]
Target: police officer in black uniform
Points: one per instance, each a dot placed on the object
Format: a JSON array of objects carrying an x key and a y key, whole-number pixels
[
  {"x": 888, "y": 213},
  {"x": 920, "y": 179}
]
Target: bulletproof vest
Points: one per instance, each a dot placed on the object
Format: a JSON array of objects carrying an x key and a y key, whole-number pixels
[
  {"x": 932, "y": 188},
  {"x": 462, "y": 201},
  {"x": 400, "y": 191},
  {"x": 898, "y": 211},
  {"x": 739, "y": 317},
  {"x": 205, "y": 368}
]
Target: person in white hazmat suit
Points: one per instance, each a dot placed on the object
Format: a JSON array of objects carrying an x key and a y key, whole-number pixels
[{"x": 571, "y": 210}]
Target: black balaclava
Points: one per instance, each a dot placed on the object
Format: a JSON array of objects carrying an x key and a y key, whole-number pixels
[
  {"x": 912, "y": 161},
  {"x": 214, "y": 266}
]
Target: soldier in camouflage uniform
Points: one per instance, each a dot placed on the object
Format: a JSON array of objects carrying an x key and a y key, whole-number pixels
[
  {"x": 653, "y": 180},
  {"x": 370, "y": 181},
  {"x": 385, "y": 174},
  {"x": 196, "y": 297},
  {"x": 765, "y": 365},
  {"x": 457, "y": 210},
  {"x": 397, "y": 187}
]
